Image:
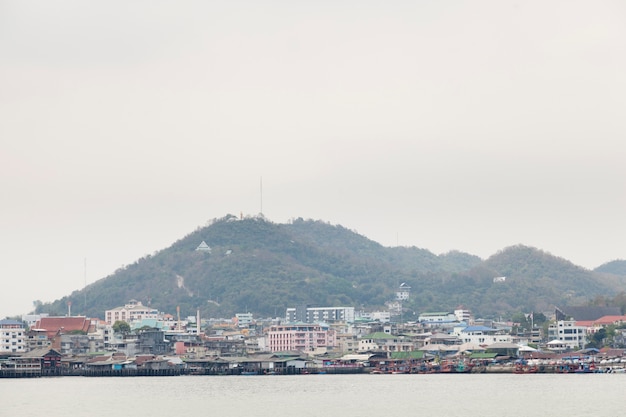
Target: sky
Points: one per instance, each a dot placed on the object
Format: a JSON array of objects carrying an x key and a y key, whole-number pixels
[{"x": 445, "y": 125}]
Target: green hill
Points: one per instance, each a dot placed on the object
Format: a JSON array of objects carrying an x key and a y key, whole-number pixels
[
  {"x": 617, "y": 267},
  {"x": 262, "y": 267}
]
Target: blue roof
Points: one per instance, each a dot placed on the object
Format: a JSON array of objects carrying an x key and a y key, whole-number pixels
[
  {"x": 154, "y": 323},
  {"x": 11, "y": 322}
]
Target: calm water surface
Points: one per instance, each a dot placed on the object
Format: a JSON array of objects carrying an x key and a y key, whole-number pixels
[{"x": 472, "y": 395}]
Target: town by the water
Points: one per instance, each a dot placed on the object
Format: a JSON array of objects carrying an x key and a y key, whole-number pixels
[{"x": 138, "y": 340}]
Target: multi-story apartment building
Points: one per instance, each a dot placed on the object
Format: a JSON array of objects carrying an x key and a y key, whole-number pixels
[
  {"x": 12, "y": 336},
  {"x": 132, "y": 312},
  {"x": 320, "y": 314},
  {"x": 566, "y": 331},
  {"x": 463, "y": 314},
  {"x": 384, "y": 342},
  {"x": 37, "y": 339},
  {"x": 74, "y": 344},
  {"x": 303, "y": 337},
  {"x": 347, "y": 342},
  {"x": 244, "y": 320}
]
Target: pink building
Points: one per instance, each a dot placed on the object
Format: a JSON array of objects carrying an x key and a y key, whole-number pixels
[{"x": 301, "y": 336}]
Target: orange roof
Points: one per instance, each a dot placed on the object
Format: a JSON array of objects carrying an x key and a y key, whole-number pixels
[
  {"x": 610, "y": 319},
  {"x": 52, "y": 325},
  {"x": 602, "y": 321}
]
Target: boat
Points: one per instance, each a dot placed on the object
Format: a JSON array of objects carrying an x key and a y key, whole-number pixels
[
  {"x": 521, "y": 368},
  {"x": 614, "y": 370}
]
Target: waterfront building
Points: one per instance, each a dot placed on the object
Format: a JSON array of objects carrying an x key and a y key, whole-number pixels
[
  {"x": 43, "y": 362},
  {"x": 154, "y": 342},
  {"x": 12, "y": 336},
  {"x": 74, "y": 344},
  {"x": 347, "y": 342},
  {"x": 481, "y": 335},
  {"x": 384, "y": 342},
  {"x": 37, "y": 339},
  {"x": 569, "y": 333},
  {"x": 441, "y": 339},
  {"x": 301, "y": 337},
  {"x": 55, "y": 327}
]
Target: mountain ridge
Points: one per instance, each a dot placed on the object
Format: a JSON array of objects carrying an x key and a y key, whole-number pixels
[{"x": 262, "y": 267}]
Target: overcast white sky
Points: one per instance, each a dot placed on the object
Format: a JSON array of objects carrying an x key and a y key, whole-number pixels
[{"x": 468, "y": 125}]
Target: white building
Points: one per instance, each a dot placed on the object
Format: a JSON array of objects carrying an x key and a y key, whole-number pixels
[
  {"x": 404, "y": 292},
  {"x": 244, "y": 320},
  {"x": 203, "y": 247},
  {"x": 463, "y": 314},
  {"x": 482, "y": 335},
  {"x": 437, "y": 318},
  {"x": 12, "y": 336},
  {"x": 381, "y": 316},
  {"x": 566, "y": 331},
  {"x": 384, "y": 342},
  {"x": 132, "y": 312}
]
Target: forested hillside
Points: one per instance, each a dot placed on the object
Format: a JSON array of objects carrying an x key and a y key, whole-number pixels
[
  {"x": 617, "y": 267},
  {"x": 257, "y": 266}
]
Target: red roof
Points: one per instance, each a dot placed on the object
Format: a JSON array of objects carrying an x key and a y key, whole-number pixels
[
  {"x": 141, "y": 359},
  {"x": 610, "y": 352},
  {"x": 610, "y": 319},
  {"x": 54, "y": 325},
  {"x": 602, "y": 321}
]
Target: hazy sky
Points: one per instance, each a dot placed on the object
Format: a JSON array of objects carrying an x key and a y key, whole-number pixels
[{"x": 468, "y": 125}]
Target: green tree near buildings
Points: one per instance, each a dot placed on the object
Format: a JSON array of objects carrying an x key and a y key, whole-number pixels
[
  {"x": 597, "y": 339},
  {"x": 121, "y": 327},
  {"x": 528, "y": 320}
]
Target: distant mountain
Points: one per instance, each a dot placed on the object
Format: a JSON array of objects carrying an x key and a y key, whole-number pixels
[
  {"x": 254, "y": 265},
  {"x": 617, "y": 267},
  {"x": 546, "y": 280}
]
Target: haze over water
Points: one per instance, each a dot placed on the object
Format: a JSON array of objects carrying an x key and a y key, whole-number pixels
[{"x": 471, "y": 395}]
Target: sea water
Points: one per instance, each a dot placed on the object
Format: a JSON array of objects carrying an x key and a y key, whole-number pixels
[{"x": 467, "y": 395}]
